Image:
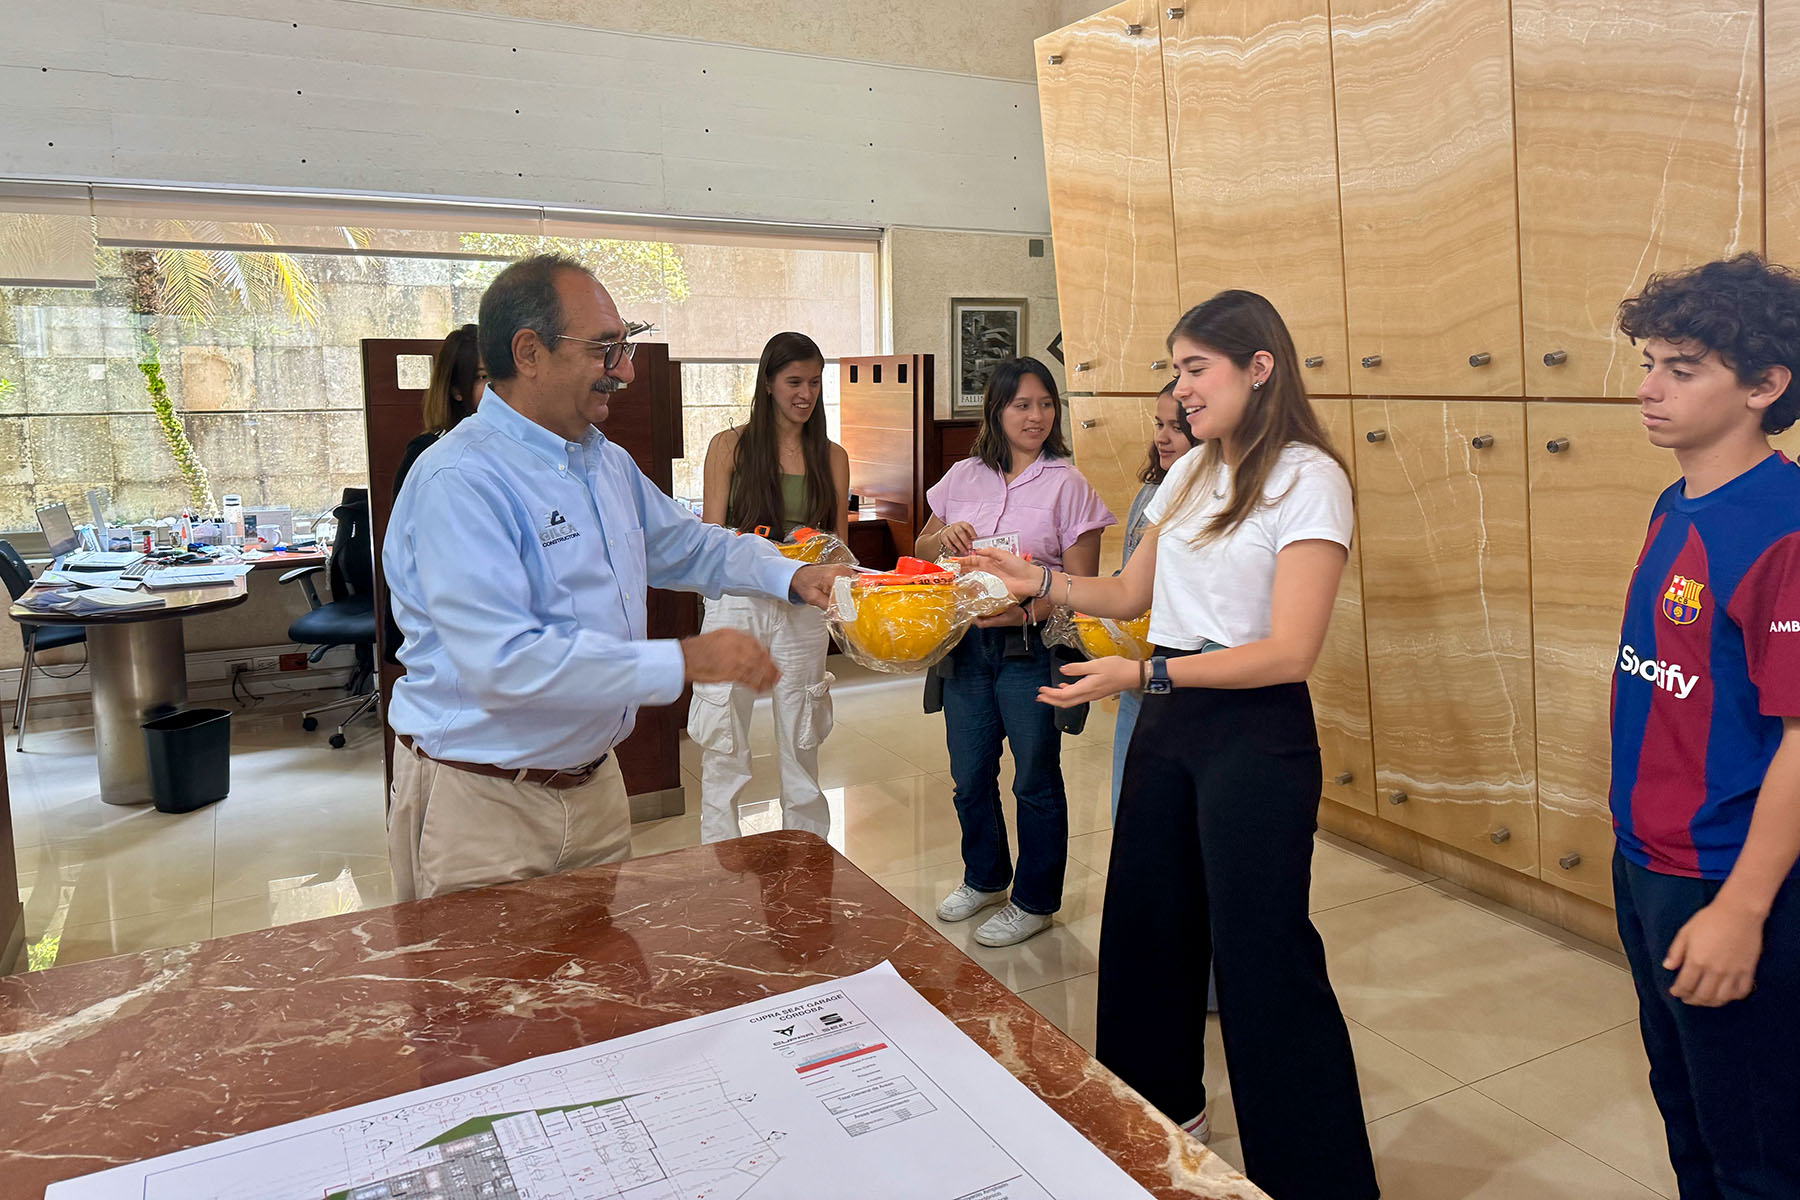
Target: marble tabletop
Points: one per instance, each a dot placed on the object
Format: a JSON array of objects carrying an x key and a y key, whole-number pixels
[{"x": 121, "y": 1059}]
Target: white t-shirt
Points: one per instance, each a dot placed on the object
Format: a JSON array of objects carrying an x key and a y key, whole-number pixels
[{"x": 1221, "y": 590}]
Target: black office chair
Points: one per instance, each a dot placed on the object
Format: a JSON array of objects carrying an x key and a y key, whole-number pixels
[
  {"x": 37, "y": 637},
  {"x": 349, "y": 618}
]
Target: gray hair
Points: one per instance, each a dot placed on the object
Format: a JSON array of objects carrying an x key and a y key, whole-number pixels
[{"x": 522, "y": 297}]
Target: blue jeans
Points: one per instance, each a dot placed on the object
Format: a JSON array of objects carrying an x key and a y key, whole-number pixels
[
  {"x": 990, "y": 696},
  {"x": 1129, "y": 704}
]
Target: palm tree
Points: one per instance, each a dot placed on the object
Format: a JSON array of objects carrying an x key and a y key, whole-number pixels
[{"x": 192, "y": 284}]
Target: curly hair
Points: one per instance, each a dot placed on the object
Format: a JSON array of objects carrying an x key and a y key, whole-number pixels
[{"x": 1743, "y": 309}]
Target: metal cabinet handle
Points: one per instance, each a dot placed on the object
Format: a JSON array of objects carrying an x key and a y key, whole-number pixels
[
  {"x": 1570, "y": 861},
  {"x": 1315, "y": 360},
  {"x": 1161, "y": 364},
  {"x": 1396, "y": 797},
  {"x": 1556, "y": 358},
  {"x": 1343, "y": 779},
  {"x": 1480, "y": 360},
  {"x": 1084, "y": 366},
  {"x": 1175, "y": 14},
  {"x": 1482, "y": 441},
  {"x": 1376, "y": 435},
  {"x": 1055, "y": 60},
  {"x": 1557, "y": 445},
  {"x": 1371, "y": 360},
  {"x": 1134, "y": 30},
  {"x": 1500, "y": 836},
  {"x": 1089, "y": 423}
]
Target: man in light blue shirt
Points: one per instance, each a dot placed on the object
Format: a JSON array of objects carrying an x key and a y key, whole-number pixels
[{"x": 518, "y": 557}]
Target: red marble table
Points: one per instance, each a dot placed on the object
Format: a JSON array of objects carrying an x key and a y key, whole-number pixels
[{"x": 121, "y": 1059}]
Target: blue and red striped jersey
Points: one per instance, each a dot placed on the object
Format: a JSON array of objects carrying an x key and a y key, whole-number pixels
[{"x": 1708, "y": 665}]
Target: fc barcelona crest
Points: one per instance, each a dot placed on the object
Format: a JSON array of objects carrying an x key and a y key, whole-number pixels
[{"x": 1681, "y": 603}]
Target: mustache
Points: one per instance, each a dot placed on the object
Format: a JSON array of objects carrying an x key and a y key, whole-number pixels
[{"x": 610, "y": 385}]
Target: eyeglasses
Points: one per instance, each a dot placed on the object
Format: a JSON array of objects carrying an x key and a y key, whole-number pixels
[{"x": 615, "y": 352}]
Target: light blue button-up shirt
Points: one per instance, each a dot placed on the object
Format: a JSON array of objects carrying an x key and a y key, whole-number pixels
[{"x": 517, "y": 562}]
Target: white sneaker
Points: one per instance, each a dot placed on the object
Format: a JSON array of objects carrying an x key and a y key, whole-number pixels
[
  {"x": 965, "y": 902},
  {"x": 1200, "y": 1129},
  {"x": 1010, "y": 926}
]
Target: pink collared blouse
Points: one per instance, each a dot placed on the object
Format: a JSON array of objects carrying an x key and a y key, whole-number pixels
[{"x": 1049, "y": 505}]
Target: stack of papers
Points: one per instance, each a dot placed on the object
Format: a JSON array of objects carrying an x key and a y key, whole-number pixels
[
  {"x": 187, "y": 577},
  {"x": 89, "y": 600}
]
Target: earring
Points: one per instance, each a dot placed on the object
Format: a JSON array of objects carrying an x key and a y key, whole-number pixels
[{"x": 1256, "y": 386}]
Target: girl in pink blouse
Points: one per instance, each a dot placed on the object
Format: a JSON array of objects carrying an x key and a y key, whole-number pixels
[{"x": 1017, "y": 485}]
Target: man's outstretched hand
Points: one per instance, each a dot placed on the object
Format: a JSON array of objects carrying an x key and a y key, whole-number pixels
[{"x": 812, "y": 583}]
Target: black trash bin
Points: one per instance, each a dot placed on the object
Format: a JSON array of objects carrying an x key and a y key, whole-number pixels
[{"x": 190, "y": 758}]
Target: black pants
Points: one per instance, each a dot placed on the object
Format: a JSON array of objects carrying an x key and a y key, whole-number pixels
[
  {"x": 1212, "y": 865},
  {"x": 1726, "y": 1079}
]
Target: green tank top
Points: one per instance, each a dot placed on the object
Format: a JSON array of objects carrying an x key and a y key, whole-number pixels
[{"x": 793, "y": 501}]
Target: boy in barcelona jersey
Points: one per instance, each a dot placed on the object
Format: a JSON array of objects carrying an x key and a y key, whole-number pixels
[{"x": 1706, "y": 730}]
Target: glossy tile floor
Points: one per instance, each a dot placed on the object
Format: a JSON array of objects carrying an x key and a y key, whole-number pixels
[{"x": 1499, "y": 1059}]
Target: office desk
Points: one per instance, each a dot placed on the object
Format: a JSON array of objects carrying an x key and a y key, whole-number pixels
[
  {"x": 139, "y": 665},
  {"x": 256, "y": 1030}
]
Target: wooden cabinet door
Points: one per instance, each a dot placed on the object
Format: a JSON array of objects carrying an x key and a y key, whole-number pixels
[
  {"x": 1111, "y": 444},
  {"x": 1640, "y": 150},
  {"x": 1106, "y": 159},
  {"x": 1425, "y": 170},
  {"x": 1253, "y": 161},
  {"x": 1447, "y": 610},
  {"x": 1590, "y": 508},
  {"x": 1340, "y": 678},
  {"x": 1781, "y": 128}
]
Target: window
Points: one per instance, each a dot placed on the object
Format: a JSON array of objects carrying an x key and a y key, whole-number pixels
[{"x": 249, "y": 310}]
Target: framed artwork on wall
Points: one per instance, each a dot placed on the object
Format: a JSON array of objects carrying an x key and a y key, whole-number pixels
[{"x": 983, "y": 334}]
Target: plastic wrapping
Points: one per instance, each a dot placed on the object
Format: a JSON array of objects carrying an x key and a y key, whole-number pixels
[
  {"x": 1099, "y": 637},
  {"x": 810, "y": 545},
  {"x": 908, "y": 619},
  {"x": 815, "y": 546}
]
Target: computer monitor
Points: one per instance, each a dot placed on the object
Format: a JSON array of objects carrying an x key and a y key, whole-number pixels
[{"x": 59, "y": 531}]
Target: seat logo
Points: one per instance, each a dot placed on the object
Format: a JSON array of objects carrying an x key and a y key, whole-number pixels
[{"x": 1681, "y": 603}]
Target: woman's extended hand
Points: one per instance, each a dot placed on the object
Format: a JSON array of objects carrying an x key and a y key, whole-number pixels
[
  {"x": 1021, "y": 578},
  {"x": 1091, "y": 681}
]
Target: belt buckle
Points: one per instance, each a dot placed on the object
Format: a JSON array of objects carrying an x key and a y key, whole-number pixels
[{"x": 577, "y": 776}]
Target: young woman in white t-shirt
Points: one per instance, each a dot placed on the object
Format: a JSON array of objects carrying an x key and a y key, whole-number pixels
[{"x": 1212, "y": 849}]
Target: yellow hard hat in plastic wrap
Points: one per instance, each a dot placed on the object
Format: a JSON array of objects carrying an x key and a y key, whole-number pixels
[
  {"x": 1100, "y": 637},
  {"x": 898, "y": 623}
]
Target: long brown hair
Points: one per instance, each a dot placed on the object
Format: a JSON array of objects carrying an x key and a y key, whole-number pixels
[
  {"x": 755, "y": 497},
  {"x": 1238, "y": 324},
  {"x": 991, "y": 446},
  {"x": 1154, "y": 471},
  {"x": 450, "y": 397}
]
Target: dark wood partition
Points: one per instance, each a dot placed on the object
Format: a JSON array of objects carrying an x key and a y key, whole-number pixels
[
  {"x": 879, "y": 399},
  {"x": 645, "y": 419}
]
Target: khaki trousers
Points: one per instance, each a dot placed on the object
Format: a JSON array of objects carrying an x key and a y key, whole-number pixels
[{"x": 451, "y": 830}]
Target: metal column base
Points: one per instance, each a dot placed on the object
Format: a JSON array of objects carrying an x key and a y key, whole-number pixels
[{"x": 140, "y": 672}]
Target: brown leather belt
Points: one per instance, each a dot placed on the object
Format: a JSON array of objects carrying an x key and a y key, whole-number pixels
[{"x": 570, "y": 778}]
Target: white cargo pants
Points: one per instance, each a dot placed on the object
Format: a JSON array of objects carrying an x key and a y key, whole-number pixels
[{"x": 719, "y": 718}]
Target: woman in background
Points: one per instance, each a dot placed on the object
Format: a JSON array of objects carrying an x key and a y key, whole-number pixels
[
  {"x": 1170, "y": 442},
  {"x": 778, "y": 472},
  {"x": 457, "y": 382},
  {"x": 1017, "y": 481}
]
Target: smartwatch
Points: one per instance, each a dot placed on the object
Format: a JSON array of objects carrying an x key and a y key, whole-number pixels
[{"x": 1160, "y": 683}]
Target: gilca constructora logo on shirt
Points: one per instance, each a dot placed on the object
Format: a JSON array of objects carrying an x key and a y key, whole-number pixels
[{"x": 557, "y": 529}]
